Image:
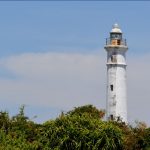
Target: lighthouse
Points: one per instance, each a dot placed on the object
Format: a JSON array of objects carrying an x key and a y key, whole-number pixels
[{"x": 116, "y": 48}]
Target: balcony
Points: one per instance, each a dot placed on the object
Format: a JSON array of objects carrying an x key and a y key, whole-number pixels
[{"x": 116, "y": 42}]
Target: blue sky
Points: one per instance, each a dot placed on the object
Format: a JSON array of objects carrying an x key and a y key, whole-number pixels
[
  {"x": 43, "y": 26},
  {"x": 51, "y": 54}
]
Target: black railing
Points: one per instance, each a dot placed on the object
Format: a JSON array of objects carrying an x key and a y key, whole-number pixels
[{"x": 116, "y": 42}]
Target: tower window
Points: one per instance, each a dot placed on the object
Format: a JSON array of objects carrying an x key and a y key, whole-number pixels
[
  {"x": 118, "y": 42},
  {"x": 111, "y": 87},
  {"x": 114, "y": 58},
  {"x": 111, "y": 117}
]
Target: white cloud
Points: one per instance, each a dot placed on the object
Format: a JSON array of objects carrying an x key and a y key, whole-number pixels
[
  {"x": 139, "y": 87},
  {"x": 63, "y": 81},
  {"x": 55, "y": 79}
]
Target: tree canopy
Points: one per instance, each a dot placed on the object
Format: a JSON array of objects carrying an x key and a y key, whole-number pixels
[{"x": 82, "y": 128}]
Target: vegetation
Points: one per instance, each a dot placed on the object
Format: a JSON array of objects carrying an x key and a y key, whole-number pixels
[{"x": 79, "y": 129}]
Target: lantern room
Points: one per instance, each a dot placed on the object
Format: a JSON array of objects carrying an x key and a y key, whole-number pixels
[
  {"x": 115, "y": 38},
  {"x": 116, "y": 35}
]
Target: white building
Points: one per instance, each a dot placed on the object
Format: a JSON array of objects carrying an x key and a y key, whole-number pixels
[{"x": 116, "y": 48}]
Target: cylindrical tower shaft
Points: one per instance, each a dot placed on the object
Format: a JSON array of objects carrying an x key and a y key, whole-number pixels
[{"x": 116, "y": 76}]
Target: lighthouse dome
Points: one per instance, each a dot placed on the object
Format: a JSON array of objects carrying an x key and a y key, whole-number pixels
[{"x": 116, "y": 29}]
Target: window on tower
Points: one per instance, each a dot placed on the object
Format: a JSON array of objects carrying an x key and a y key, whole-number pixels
[
  {"x": 116, "y": 36},
  {"x": 111, "y": 87},
  {"x": 111, "y": 117},
  {"x": 114, "y": 58},
  {"x": 118, "y": 42},
  {"x": 111, "y": 58}
]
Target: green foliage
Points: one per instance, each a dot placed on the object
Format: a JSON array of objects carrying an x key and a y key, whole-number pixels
[
  {"x": 89, "y": 110},
  {"x": 79, "y": 129},
  {"x": 4, "y": 121},
  {"x": 81, "y": 132}
]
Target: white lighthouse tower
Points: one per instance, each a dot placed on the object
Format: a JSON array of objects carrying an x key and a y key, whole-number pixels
[{"x": 116, "y": 48}]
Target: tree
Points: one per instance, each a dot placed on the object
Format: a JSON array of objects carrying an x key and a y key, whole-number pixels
[
  {"x": 82, "y": 129},
  {"x": 79, "y": 129},
  {"x": 89, "y": 110}
]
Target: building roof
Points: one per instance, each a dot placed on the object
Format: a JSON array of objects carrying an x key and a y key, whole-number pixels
[{"x": 116, "y": 29}]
